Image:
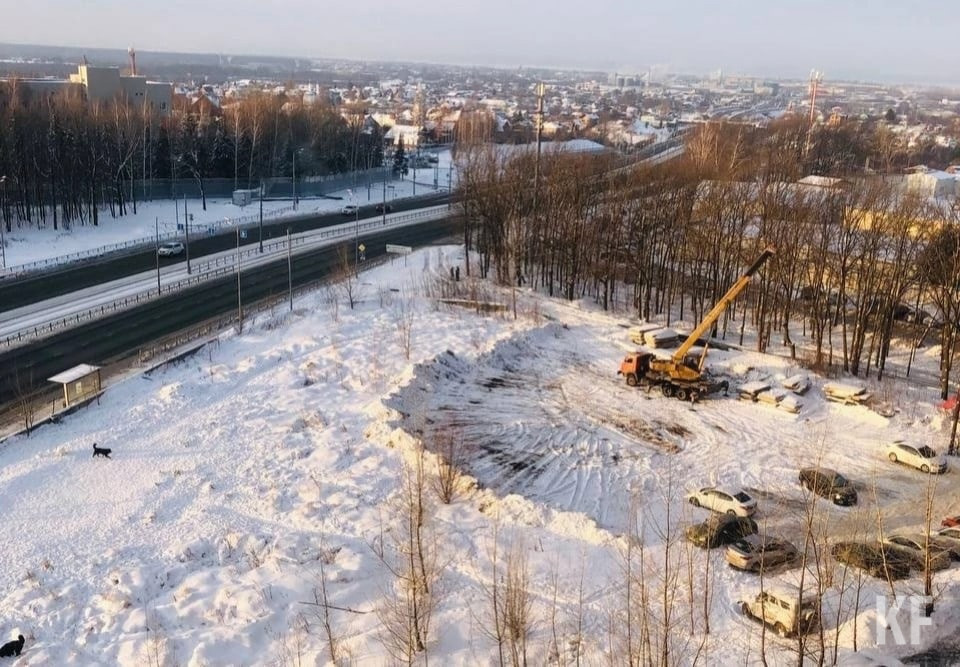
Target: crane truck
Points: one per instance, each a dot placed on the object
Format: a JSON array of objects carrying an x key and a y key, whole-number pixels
[{"x": 679, "y": 376}]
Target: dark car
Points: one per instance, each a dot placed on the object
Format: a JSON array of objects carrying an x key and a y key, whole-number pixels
[
  {"x": 830, "y": 484},
  {"x": 380, "y": 208},
  {"x": 720, "y": 529},
  {"x": 876, "y": 560}
]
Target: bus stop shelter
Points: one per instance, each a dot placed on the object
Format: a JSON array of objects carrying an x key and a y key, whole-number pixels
[{"x": 80, "y": 383}]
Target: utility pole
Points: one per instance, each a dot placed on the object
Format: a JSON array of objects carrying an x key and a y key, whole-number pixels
[
  {"x": 261, "y": 215},
  {"x": 3, "y": 222},
  {"x": 186, "y": 229},
  {"x": 356, "y": 240},
  {"x": 384, "y": 210},
  {"x": 289, "y": 270},
  {"x": 156, "y": 250},
  {"x": 294, "y": 181}
]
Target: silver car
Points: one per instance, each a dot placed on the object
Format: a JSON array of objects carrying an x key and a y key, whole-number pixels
[
  {"x": 170, "y": 249},
  {"x": 754, "y": 553}
]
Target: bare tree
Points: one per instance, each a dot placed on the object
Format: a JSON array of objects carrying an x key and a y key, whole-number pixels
[{"x": 406, "y": 610}]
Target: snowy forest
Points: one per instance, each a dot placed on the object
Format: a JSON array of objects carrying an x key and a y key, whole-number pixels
[
  {"x": 859, "y": 259},
  {"x": 64, "y": 158}
]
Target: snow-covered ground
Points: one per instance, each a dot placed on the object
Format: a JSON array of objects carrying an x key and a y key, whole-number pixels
[
  {"x": 275, "y": 460},
  {"x": 26, "y": 245}
]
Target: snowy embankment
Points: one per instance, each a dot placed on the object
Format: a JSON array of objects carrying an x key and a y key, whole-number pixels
[
  {"x": 25, "y": 245},
  {"x": 273, "y": 466}
]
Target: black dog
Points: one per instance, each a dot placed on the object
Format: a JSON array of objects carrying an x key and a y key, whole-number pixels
[
  {"x": 13, "y": 648},
  {"x": 101, "y": 451}
]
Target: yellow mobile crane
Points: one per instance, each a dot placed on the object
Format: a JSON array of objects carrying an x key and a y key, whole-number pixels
[{"x": 676, "y": 376}]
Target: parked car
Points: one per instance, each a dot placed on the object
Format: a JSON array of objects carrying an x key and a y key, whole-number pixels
[
  {"x": 951, "y": 521},
  {"x": 755, "y": 553},
  {"x": 720, "y": 529},
  {"x": 828, "y": 483},
  {"x": 875, "y": 560},
  {"x": 914, "y": 548},
  {"x": 380, "y": 208},
  {"x": 783, "y": 608},
  {"x": 738, "y": 503},
  {"x": 350, "y": 209},
  {"x": 949, "y": 544},
  {"x": 170, "y": 249},
  {"x": 923, "y": 458},
  {"x": 952, "y": 532}
]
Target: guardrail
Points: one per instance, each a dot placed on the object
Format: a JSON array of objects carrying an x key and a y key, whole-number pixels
[
  {"x": 217, "y": 268},
  {"x": 204, "y": 229}
]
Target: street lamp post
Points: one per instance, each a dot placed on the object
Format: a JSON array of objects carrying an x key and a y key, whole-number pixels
[
  {"x": 156, "y": 250},
  {"x": 294, "y": 180},
  {"x": 384, "y": 206},
  {"x": 3, "y": 222},
  {"x": 356, "y": 235},
  {"x": 261, "y": 215}
]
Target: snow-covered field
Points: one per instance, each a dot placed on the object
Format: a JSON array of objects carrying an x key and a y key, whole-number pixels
[
  {"x": 274, "y": 461},
  {"x": 26, "y": 245}
]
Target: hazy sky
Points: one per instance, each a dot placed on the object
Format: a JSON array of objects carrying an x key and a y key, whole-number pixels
[{"x": 901, "y": 40}]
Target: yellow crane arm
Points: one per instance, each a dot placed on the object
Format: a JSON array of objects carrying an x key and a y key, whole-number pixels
[{"x": 722, "y": 304}]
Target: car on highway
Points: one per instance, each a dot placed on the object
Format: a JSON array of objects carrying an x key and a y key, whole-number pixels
[
  {"x": 829, "y": 484},
  {"x": 914, "y": 548},
  {"x": 711, "y": 498},
  {"x": 170, "y": 249},
  {"x": 876, "y": 560},
  {"x": 922, "y": 458},
  {"x": 755, "y": 553},
  {"x": 720, "y": 529},
  {"x": 350, "y": 209},
  {"x": 380, "y": 208}
]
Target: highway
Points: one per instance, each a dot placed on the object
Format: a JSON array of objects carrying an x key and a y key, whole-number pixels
[
  {"x": 21, "y": 291},
  {"x": 45, "y": 317},
  {"x": 24, "y": 368}
]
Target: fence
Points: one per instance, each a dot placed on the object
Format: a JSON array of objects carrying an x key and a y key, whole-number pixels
[
  {"x": 216, "y": 268},
  {"x": 139, "y": 243}
]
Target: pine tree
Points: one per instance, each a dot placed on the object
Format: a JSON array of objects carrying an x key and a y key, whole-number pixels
[{"x": 399, "y": 159}]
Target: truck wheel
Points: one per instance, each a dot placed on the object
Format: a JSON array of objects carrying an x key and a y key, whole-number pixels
[
  {"x": 781, "y": 629},
  {"x": 682, "y": 394},
  {"x": 667, "y": 390},
  {"x": 631, "y": 380},
  {"x": 892, "y": 457},
  {"x": 925, "y": 468},
  {"x": 745, "y": 608}
]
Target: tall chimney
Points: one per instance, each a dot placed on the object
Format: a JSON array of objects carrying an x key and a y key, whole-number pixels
[{"x": 133, "y": 61}]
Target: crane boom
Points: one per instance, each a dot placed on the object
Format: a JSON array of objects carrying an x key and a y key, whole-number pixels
[{"x": 722, "y": 304}]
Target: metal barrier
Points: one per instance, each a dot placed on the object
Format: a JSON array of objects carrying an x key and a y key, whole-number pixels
[
  {"x": 217, "y": 268},
  {"x": 204, "y": 228}
]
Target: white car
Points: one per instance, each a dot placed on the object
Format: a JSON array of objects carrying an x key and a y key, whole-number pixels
[
  {"x": 738, "y": 504},
  {"x": 170, "y": 249},
  {"x": 350, "y": 209},
  {"x": 923, "y": 458}
]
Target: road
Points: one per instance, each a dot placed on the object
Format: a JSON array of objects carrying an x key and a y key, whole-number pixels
[
  {"x": 18, "y": 292},
  {"x": 41, "y": 318},
  {"x": 24, "y": 369}
]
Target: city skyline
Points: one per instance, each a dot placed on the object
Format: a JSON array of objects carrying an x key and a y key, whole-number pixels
[{"x": 897, "y": 44}]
